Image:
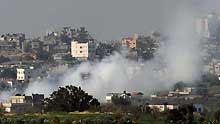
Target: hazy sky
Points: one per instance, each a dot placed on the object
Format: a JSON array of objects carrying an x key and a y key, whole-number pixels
[{"x": 106, "y": 19}]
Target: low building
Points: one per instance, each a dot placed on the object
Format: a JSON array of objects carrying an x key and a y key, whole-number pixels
[
  {"x": 59, "y": 56},
  {"x": 174, "y": 103},
  {"x": 79, "y": 50},
  {"x": 162, "y": 105},
  {"x": 36, "y": 44},
  {"x": 7, "y": 107},
  {"x": 123, "y": 95},
  {"x": 24, "y": 104}
]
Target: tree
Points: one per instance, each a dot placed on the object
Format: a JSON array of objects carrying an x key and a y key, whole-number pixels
[
  {"x": 4, "y": 59},
  {"x": 118, "y": 100},
  {"x": 179, "y": 86},
  {"x": 217, "y": 116},
  {"x": 8, "y": 73},
  {"x": 146, "y": 47},
  {"x": 42, "y": 54},
  {"x": 70, "y": 98},
  {"x": 211, "y": 80},
  {"x": 103, "y": 50},
  {"x": 183, "y": 115},
  {"x": 83, "y": 35}
]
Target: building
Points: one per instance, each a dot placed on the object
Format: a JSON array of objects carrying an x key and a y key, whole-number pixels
[
  {"x": 123, "y": 95},
  {"x": 24, "y": 104},
  {"x": 38, "y": 100},
  {"x": 58, "y": 57},
  {"x": 130, "y": 42},
  {"x": 163, "y": 107},
  {"x": 80, "y": 50},
  {"x": 36, "y": 44},
  {"x": 21, "y": 74},
  {"x": 174, "y": 103},
  {"x": 214, "y": 67},
  {"x": 16, "y": 39},
  {"x": 208, "y": 26},
  {"x": 61, "y": 48}
]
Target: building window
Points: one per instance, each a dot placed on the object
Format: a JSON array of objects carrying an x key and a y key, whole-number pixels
[{"x": 80, "y": 51}]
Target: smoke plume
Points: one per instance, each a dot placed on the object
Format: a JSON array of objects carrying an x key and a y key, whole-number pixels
[{"x": 177, "y": 59}]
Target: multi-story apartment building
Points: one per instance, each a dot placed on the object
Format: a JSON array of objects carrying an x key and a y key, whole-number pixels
[
  {"x": 208, "y": 26},
  {"x": 79, "y": 50},
  {"x": 22, "y": 74}
]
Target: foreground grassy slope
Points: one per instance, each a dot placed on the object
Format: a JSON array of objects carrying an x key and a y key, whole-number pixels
[{"x": 142, "y": 119}]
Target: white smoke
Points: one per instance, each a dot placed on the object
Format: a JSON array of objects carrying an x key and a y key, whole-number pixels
[
  {"x": 178, "y": 59},
  {"x": 113, "y": 74}
]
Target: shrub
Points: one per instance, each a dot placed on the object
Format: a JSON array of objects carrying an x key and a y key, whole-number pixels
[
  {"x": 33, "y": 121},
  {"x": 217, "y": 115},
  {"x": 40, "y": 121},
  {"x": 106, "y": 119},
  {"x": 6, "y": 121},
  {"x": 46, "y": 121},
  {"x": 17, "y": 121},
  {"x": 27, "y": 121},
  {"x": 67, "y": 121},
  {"x": 55, "y": 120},
  {"x": 87, "y": 121},
  {"x": 125, "y": 120}
]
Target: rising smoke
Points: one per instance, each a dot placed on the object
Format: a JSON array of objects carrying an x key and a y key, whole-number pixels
[{"x": 177, "y": 59}]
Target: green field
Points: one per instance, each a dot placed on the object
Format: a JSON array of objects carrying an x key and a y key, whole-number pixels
[{"x": 142, "y": 119}]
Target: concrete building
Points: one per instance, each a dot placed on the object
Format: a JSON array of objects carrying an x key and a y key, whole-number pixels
[
  {"x": 24, "y": 104},
  {"x": 79, "y": 50},
  {"x": 174, "y": 103},
  {"x": 163, "y": 107},
  {"x": 214, "y": 67},
  {"x": 202, "y": 27},
  {"x": 208, "y": 26},
  {"x": 21, "y": 74},
  {"x": 16, "y": 39},
  {"x": 131, "y": 42},
  {"x": 123, "y": 95}
]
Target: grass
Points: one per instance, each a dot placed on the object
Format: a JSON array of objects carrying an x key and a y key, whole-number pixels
[
  {"x": 143, "y": 118},
  {"x": 148, "y": 119},
  {"x": 60, "y": 115}
]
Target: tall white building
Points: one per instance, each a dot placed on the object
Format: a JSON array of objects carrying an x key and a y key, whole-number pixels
[
  {"x": 79, "y": 50},
  {"x": 208, "y": 26},
  {"x": 21, "y": 74}
]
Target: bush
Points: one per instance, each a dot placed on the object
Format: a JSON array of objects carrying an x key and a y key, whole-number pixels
[
  {"x": 125, "y": 120},
  {"x": 40, "y": 121},
  {"x": 6, "y": 121},
  {"x": 87, "y": 121},
  {"x": 33, "y": 121},
  {"x": 27, "y": 121},
  {"x": 46, "y": 121},
  {"x": 217, "y": 116},
  {"x": 17, "y": 121},
  {"x": 55, "y": 120},
  {"x": 67, "y": 121},
  {"x": 107, "y": 119}
]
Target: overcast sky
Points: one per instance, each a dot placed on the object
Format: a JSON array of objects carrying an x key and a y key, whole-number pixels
[{"x": 106, "y": 19}]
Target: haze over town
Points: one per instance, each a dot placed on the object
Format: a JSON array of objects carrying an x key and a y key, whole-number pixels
[{"x": 154, "y": 56}]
